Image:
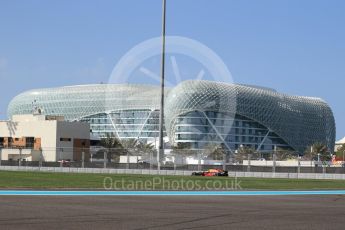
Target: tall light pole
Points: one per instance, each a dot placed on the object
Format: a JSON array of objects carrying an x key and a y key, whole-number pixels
[{"x": 161, "y": 115}]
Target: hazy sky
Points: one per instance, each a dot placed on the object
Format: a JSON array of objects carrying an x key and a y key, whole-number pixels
[{"x": 294, "y": 46}]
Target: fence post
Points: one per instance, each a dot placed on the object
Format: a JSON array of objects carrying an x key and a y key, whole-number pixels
[
  {"x": 151, "y": 158},
  {"x": 0, "y": 155},
  {"x": 60, "y": 156},
  {"x": 299, "y": 165},
  {"x": 249, "y": 162},
  {"x": 224, "y": 161},
  {"x": 274, "y": 163},
  {"x": 40, "y": 160},
  {"x": 105, "y": 159},
  {"x": 199, "y": 161},
  {"x": 20, "y": 157},
  {"x": 127, "y": 165},
  {"x": 83, "y": 159}
]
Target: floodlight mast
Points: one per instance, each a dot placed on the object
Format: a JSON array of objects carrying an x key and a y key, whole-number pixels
[{"x": 161, "y": 115}]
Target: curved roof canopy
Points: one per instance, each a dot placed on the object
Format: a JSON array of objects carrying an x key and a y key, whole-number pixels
[
  {"x": 76, "y": 102},
  {"x": 300, "y": 121}
]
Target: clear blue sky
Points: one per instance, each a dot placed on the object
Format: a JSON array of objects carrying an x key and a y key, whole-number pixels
[{"x": 294, "y": 46}]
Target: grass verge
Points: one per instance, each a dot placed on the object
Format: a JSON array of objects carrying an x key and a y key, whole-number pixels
[{"x": 44, "y": 180}]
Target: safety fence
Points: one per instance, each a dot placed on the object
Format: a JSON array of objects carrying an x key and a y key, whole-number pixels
[
  {"x": 143, "y": 157},
  {"x": 318, "y": 176},
  {"x": 146, "y": 166}
]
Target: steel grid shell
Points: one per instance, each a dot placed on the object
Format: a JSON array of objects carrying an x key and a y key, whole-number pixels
[
  {"x": 299, "y": 121},
  {"x": 76, "y": 102}
]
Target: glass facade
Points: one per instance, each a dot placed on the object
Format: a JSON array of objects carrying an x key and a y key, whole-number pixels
[
  {"x": 125, "y": 124},
  {"x": 202, "y": 128}
]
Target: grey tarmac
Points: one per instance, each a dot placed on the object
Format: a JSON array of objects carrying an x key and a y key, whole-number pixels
[{"x": 172, "y": 212}]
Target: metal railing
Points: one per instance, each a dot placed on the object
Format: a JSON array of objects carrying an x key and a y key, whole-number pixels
[{"x": 145, "y": 159}]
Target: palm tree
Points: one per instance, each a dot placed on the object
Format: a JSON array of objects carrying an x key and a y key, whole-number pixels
[
  {"x": 138, "y": 148},
  {"x": 215, "y": 151},
  {"x": 129, "y": 144},
  {"x": 316, "y": 149},
  {"x": 145, "y": 148},
  {"x": 244, "y": 152},
  {"x": 282, "y": 155},
  {"x": 113, "y": 147},
  {"x": 182, "y": 149},
  {"x": 146, "y": 151}
]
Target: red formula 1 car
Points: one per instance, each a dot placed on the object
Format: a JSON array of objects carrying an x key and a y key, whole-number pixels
[{"x": 211, "y": 173}]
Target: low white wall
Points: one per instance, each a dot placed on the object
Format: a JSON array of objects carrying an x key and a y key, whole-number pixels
[
  {"x": 130, "y": 159},
  {"x": 291, "y": 163}
]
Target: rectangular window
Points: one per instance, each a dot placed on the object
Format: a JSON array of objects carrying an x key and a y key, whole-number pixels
[
  {"x": 65, "y": 139},
  {"x": 29, "y": 142}
]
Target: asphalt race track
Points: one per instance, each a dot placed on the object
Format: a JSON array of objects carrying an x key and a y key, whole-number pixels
[{"x": 171, "y": 212}]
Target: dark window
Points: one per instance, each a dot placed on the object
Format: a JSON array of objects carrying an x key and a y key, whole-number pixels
[
  {"x": 29, "y": 142},
  {"x": 65, "y": 139}
]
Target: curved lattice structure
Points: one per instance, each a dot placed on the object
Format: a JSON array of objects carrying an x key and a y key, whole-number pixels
[
  {"x": 76, "y": 102},
  {"x": 197, "y": 112},
  {"x": 128, "y": 110},
  {"x": 246, "y": 115}
]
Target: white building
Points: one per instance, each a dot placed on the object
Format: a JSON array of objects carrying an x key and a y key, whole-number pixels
[{"x": 46, "y": 138}]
